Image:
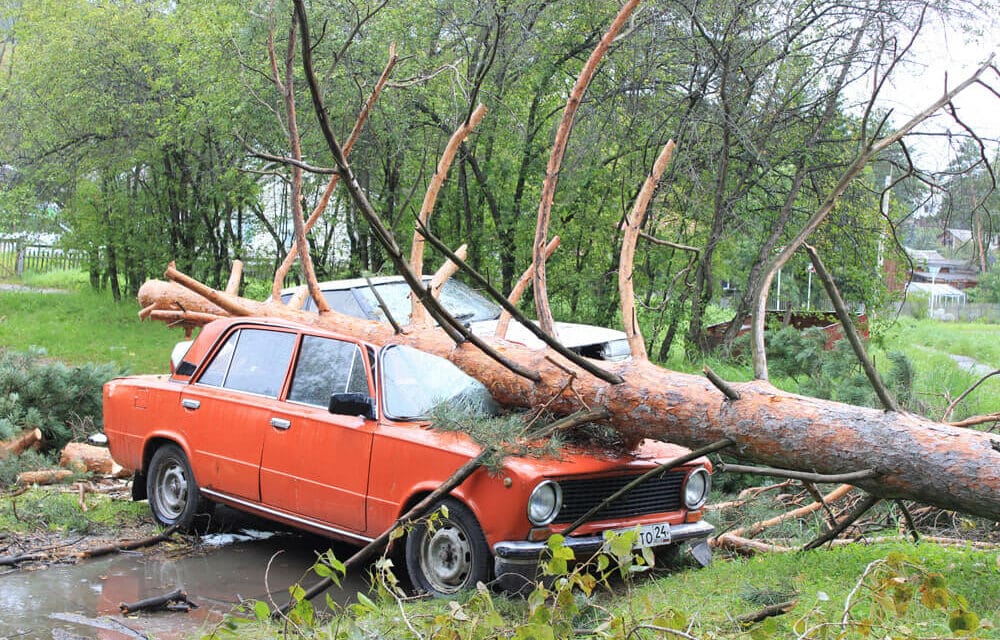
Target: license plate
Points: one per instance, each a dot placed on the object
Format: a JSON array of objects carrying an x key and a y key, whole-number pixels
[{"x": 652, "y": 535}]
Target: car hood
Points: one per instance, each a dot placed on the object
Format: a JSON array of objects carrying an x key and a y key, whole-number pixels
[
  {"x": 570, "y": 334},
  {"x": 574, "y": 461}
]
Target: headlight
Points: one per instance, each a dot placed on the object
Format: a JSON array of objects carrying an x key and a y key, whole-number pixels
[
  {"x": 615, "y": 350},
  {"x": 696, "y": 488},
  {"x": 544, "y": 503}
]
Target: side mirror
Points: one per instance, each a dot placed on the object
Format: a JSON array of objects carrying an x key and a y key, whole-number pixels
[{"x": 352, "y": 404}]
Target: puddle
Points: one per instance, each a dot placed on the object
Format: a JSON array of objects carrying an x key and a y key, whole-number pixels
[{"x": 81, "y": 600}]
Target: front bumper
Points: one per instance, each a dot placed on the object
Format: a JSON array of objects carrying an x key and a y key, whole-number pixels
[{"x": 516, "y": 561}]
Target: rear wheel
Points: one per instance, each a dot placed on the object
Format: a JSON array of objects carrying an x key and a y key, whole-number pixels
[
  {"x": 449, "y": 555},
  {"x": 173, "y": 494}
]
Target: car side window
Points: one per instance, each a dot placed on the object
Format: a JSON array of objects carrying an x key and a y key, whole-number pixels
[
  {"x": 252, "y": 360},
  {"x": 326, "y": 366}
]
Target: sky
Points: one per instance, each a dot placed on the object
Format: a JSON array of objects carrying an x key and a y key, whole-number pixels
[{"x": 946, "y": 57}]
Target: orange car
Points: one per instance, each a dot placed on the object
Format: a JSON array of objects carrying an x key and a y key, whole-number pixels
[{"x": 330, "y": 434}]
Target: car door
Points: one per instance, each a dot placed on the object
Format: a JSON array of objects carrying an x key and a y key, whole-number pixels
[
  {"x": 314, "y": 463},
  {"x": 230, "y": 407}
]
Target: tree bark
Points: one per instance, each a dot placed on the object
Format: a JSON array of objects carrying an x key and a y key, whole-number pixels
[
  {"x": 21, "y": 443},
  {"x": 43, "y": 476},
  {"x": 82, "y": 458}
]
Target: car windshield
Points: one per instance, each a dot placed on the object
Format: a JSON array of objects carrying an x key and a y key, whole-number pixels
[
  {"x": 462, "y": 301},
  {"x": 414, "y": 383}
]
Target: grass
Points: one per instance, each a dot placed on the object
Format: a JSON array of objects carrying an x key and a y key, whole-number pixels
[
  {"x": 939, "y": 378},
  {"x": 705, "y": 603},
  {"x": 51, "y": 510},
  {"x": 713, "y": 597},
  {"x": 81, "y": 325}
]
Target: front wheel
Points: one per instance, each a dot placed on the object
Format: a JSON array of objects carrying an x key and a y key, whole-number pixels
[
  {"x": 450, "y": 554},
  {"x": 173, "y": 494}
]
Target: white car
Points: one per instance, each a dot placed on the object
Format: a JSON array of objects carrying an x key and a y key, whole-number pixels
[{"x": 355, "y": 298}]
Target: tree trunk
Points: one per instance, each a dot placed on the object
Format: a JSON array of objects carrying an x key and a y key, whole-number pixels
[{"x": 915, "y": 459}]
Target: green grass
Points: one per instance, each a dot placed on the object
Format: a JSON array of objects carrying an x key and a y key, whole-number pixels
[
  {"x": 706, "y": 602},
  {"x": 81, "y": 326},
  {"x": 51, "y": 510},
  {"x": 939, "y": 378},
  {"x": 711, "y": 598}
]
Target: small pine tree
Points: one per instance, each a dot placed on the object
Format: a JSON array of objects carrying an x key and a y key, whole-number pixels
[{"x": 36, "y": 392}]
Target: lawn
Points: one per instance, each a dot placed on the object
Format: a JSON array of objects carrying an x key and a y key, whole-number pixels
[
  {"x": 80, "y": 325},
  {"x": 939, "y": 378}
]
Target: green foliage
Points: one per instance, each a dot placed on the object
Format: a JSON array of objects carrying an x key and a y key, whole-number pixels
[
  {"x": 897, "y": 591},
  {"x": 29, "y": 460},
  {"x": 919, "y": 304},
  {"x": 987, "y": 288},
  {"x": 58, "y": 399},
  {"x": 84, "y": 326},
  {"x": 50, "y": 510},
  {"x": 833, "y": 373},
  {"x": 886, "y": 591}
]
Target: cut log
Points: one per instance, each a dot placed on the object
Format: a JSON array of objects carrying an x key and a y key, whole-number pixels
[
  {"x": 82, "y": 458},
  {"x": 20, "y": 444},
  {"x": 44, "y": 476},
  {"x": 914, "y": 458}
]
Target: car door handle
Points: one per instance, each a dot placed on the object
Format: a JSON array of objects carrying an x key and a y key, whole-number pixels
[
  {"x": 281, "y": 423},
  {"x": 187, "y": 403}
]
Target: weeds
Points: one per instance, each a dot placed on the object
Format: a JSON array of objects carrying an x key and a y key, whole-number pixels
[{"x": 897, "y": 591}]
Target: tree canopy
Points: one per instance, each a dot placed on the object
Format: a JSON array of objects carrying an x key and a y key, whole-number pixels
[{"x": 155, "y": 131}]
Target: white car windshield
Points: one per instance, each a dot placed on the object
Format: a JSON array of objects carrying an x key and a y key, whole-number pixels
[
  {"x": 460, "y": 300},
  {"x": 414, "y": 383}
]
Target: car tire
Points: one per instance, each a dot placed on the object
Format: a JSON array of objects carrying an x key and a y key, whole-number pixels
[
  {"x": 173, "y": 494},
  {"x": 449, "y": 555}
]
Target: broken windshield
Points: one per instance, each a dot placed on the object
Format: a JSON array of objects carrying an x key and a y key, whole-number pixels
[
  {"x": 414, "y": 382},
  {"x": 461, "y": 301}
]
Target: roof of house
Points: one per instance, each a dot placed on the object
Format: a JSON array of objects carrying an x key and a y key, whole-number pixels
[{"x": 936, "y": 290}]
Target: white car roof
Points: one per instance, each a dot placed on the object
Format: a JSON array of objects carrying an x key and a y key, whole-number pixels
[{"x": 341, "y": 285}]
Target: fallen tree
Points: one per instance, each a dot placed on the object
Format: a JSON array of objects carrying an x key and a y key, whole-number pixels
[
  {"x": 904, "y": 456},
  {"x": 913, "y": 458}
]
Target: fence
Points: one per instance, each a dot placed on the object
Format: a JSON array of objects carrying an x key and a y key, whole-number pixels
[
  {"x": 16, "y": 258},
  {"x": 969, "y": 312}
]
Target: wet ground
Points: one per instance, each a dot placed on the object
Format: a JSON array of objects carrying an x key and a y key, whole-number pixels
[{"x": 82, "y": 600}]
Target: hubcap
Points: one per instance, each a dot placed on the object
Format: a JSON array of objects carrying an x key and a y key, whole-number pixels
[
  {"x": 172, "y": 490},
  {"x": 446, "y": 558}
]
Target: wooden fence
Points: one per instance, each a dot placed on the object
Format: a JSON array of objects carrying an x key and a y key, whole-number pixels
[{"x": 17, "y": 258}]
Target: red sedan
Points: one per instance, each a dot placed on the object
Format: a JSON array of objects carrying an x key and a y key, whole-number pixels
[{"x": 329, "y": 434}]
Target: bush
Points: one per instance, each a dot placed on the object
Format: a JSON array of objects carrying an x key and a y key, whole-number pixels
[
  {"x": 39, "y": 393},
  {"x": 13, "y": 465},
  {"x": 833, "y": 374}
]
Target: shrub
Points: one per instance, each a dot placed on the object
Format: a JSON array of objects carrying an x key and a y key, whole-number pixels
[{"x": 36, "y": 392}]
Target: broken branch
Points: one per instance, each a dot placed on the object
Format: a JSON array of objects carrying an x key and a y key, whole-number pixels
[
  {"x": 626, "y": 262},
  {"x": 417, "y": 315},
  {"x": 798, "y": 475},
  {"x": 847, "y": 322},
  {"x": 543, "y": 311}
]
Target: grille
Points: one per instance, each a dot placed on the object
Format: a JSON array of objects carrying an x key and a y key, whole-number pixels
[{"x": 658, "y": 494}]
